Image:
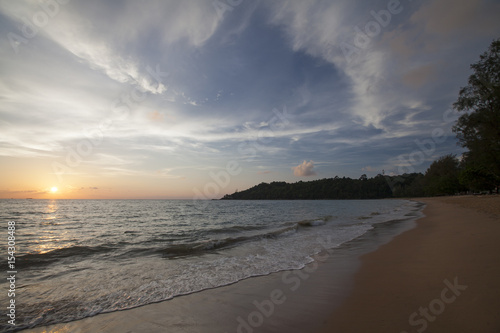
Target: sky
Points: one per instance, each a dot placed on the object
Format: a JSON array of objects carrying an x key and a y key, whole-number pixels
[{"x": 199, "y": 98}]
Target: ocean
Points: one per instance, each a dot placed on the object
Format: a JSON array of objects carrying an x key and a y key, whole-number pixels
[{"x": 79, "y": 258}]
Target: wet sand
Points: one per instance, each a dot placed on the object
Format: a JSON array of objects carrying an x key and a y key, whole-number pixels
[{"x": 442, "y": 276}]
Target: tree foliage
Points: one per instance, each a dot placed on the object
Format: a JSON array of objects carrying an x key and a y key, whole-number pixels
[
  {"x": 478, "y": 129},
  {"x": 332, "y": 188},
  {"x": 442, "y": 177},
  {"x": 407, "y": 185}
]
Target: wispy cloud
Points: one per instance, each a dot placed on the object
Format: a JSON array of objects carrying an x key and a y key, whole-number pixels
[
  {"x": 375, "y": 71},
  {"x": 171, "y": 85}
]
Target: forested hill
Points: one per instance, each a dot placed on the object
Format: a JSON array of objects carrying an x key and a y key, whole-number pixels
[{"x": 335, "y": 188}]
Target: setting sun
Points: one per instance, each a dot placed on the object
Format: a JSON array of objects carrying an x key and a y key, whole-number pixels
[{"x": 53, "y": 189}]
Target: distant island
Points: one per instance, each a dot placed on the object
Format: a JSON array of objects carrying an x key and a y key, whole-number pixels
[{"x": 378, "y": 187}]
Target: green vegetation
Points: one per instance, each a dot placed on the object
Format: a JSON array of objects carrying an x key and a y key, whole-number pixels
[
  {"x": 379, "y": 187},
  {"x": 442, "y": 177},
  {"x": 478, "y": 130},
  {"x": 333, "y": 188}
]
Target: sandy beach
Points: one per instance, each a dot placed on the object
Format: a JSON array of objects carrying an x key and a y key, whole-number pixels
[{"x": 440, "y": 276}]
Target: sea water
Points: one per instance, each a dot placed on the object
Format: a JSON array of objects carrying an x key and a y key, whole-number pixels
[{"x": 78, "y": 258}]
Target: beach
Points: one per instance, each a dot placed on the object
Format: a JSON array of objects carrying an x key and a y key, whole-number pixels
[{"x": 440, "y": 276}]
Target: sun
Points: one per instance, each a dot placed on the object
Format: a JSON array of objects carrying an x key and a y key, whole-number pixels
[{"x": 53, "y": 189}]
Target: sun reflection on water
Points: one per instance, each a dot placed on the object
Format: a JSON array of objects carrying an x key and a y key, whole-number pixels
[
  {"x": 50, "y": 239},
  {"x": 51, "y": 207}
]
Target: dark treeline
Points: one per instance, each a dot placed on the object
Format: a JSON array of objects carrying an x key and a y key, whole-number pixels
[
  {"x": 445, "y": 176},
  {"x": 332, "y": 188},
  {"x": 478, "y": 170},
  {"x": 436, "y": 181}
]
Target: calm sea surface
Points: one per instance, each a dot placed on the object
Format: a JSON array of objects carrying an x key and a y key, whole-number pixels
[{"x": 77, "y": 258}]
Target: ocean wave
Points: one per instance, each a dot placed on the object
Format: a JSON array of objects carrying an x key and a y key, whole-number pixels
[
  {"x": 37, "y": 259},
  {"x": 236, "y": 229},
  {"x": 198, "y": 248},
  {"x": 148, "y": 260}
]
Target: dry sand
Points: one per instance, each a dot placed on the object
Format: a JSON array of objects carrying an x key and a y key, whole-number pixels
[{"x": 443, "y": 276}]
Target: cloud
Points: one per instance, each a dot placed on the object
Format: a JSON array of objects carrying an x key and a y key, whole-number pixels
[
  {"x": 318, "y": 29},
  {"x": 92, "y": 188},
  {"x": 305, "y": 169},
  {"x": 406, "y": 54},
  {"x": 226, "y": 75},
  {"x": 156, "y": 116},
  {"x": 448, "y": 18},
  {"x": 167, "y": 173},
  {"x": 114, "y": 46},
  {"x": 8, "y": 193}
]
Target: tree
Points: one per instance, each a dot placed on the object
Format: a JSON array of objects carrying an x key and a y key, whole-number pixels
[
  {"x": 478, "y": 129},
  {"x": 442, "y": 176},
  {"x": 476, "y": 179},
  {"x": 407, "y": 185}
]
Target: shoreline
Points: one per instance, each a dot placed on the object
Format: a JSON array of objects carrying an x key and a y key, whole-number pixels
[
  {"x": 438, "y": 274},
  {"x": 441, "y": 276},
  {"x": 290, "y": 300}
]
